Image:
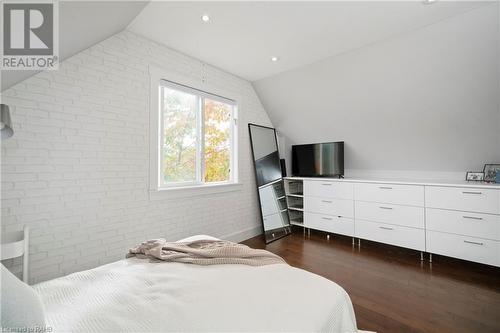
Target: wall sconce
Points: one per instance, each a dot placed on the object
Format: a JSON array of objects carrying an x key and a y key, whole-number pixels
[{"x": 5, "y": 122}]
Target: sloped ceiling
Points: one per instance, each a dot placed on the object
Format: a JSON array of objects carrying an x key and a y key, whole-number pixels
[
  {"x": 241, "y": 37},
  {"x": 424, "y": 100},
  {"x": 81, "y": 25}
]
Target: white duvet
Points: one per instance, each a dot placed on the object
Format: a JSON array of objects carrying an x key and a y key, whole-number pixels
[{"x": 136, "y": 295}]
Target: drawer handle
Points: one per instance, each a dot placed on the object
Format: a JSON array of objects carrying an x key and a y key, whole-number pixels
[
  {"x": 386, "y": 228},
  {"x": 472, "y": 217},
  {"x": 382, "y": 207},
  {"x": 327, "y": 218},
  {"x": 469, "y": 192},
  {"x": 327, "y": 201},
  {"x": 385, "y": 188},
  {"x": 475, "y": 243},
  {"x": 326, "y": 184}
]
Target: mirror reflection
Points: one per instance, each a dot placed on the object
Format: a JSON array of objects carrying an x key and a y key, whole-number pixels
[{"x": 269, "y": 181}]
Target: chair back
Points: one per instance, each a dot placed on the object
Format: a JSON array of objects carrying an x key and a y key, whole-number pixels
[{"x": 16, "y": 244}]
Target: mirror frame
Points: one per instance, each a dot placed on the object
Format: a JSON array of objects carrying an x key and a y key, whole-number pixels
[{"x": 286, "y": 230}]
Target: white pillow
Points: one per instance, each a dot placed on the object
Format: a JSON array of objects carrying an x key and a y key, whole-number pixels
[
  {"x": 195, "y": 238},
  {"x": 21, "y": 305}
]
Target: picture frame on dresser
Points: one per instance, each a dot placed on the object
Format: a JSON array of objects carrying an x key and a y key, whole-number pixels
[
  {"x": 474, "y": 176},
  {"x": 490, "y": 172}
]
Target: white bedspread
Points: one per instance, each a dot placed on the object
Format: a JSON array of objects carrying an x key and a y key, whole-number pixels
[{"x": 135, "y": 295}]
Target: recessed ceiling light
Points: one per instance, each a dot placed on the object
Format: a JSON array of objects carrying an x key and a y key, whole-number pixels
[
  {"x": 205, "y": 18},
  {"x": 274, "y": 59},
  {"x": 428, "y": 2}
]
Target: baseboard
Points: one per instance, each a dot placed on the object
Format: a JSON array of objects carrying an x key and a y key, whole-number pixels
[{"x": 243, "y": 234}]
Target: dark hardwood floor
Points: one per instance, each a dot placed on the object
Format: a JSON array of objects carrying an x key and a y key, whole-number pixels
[{"x": 392, "y": 290}]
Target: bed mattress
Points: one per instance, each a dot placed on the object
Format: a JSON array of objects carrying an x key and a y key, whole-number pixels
[{"x": 136, "y": 295}]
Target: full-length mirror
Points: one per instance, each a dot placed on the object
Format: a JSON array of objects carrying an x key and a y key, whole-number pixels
[{"x": 269, "y": 181}]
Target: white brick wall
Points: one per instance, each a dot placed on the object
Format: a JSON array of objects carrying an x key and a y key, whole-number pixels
[{"x": 77, "y": 170}]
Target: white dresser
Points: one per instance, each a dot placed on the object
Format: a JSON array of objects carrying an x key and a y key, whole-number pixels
[
  {"x": 456, "y": 219},
  {"x": 463, "y": 222},
  {"x": 329, "y": 206},
  {"x": 391, "y": 214}
]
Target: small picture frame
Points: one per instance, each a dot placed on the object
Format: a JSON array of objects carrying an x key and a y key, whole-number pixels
[
  {"x": 490, "y": 172},
  {"x": 474, "y": 176}
]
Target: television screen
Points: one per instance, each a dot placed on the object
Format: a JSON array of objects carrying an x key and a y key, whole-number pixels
[{"x": 318, "y": 160}]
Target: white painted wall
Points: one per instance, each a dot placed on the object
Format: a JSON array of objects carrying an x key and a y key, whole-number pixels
[
  {"x": 498, "y": 45},
  {"x": 77, "y": 168},
  {"x": 423, "y": 101}
]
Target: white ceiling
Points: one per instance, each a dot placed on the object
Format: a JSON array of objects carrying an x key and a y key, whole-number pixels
[
  {"x": 81, "y": 25},
  {"x": 241, "y": 37}
]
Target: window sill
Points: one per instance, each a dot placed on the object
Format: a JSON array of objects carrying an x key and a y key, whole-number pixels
[{"x": 191, "y": 191}]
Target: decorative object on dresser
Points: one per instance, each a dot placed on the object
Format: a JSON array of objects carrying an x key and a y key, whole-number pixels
[
  {"x": 475, "y": 176},
  {"x": 491, "y": 171},
  {"x": 283, "y": 167},
  {"x": 455, "y": 219}
]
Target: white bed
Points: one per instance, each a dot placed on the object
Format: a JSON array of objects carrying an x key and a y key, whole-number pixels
[{"x": 136, "y": 295}]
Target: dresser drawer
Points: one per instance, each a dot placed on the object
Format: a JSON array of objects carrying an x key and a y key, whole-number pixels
[
  {"x": 463, "y": 198},
  {"x": 334, "y": 224},
  {"x": 463, "y": 223},
  {"x": 412, "y": 195},
  {"x": 391, "y": 234},
  {"x": 329, "y": 189},
  {"x": 464, "y": 247},
  {"x": 410, "y": 216},
  {"x": 329, "y": 206}
]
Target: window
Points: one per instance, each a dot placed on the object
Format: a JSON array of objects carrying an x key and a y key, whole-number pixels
[{"x": 197, "y": 137}]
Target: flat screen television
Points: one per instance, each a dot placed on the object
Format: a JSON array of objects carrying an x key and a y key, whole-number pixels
[{"x": 318, "y": 160}]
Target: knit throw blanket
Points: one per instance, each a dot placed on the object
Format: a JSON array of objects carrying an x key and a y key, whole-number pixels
[{"x": 204, "y": 252}]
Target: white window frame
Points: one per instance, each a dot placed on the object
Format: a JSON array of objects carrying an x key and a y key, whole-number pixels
[{"x": 159, "y": 78}]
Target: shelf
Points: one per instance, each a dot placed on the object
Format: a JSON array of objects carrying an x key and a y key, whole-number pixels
[
  {"x": 296, "y": 205},
  {"x": 299, "y": 223},
  {"x": 296, "y": 194},
  {"x": 283, "y": 210},
  {"x": 283, "y": 197},
  {"x": 300, "y": 209}
]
